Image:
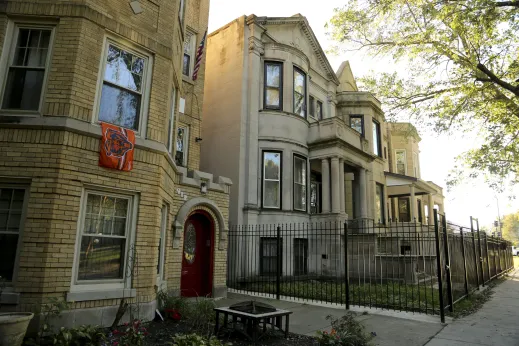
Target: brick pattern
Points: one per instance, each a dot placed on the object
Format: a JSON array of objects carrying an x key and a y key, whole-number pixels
[{"x": 59, "y": 164}]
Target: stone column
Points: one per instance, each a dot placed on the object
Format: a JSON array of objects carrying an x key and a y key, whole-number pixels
[
  {"x": 413, "y": 204},
  {"x": 430, "y": 209},
  {"x": 341, "y": 186},
  {"x": 349, "y": 177},
  {"x": 335, "y": 186},
  {"x": 441, "y": 210},
  {"x": 363, "y": 196},
  {"x": 325, "y": 172}
]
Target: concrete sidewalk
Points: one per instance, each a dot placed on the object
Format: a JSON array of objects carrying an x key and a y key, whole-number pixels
[
  {"x": 496, "y": 323},
  {"x": 416, "y": 330}
]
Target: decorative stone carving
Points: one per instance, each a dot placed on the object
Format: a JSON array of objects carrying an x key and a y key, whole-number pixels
[{"x": 256, "y": 46}]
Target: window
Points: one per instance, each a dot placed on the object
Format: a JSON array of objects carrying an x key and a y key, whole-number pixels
[
  {"x": 357, "y": 123},
  {"x": 300, "y": 256},
  {"x": 104, "y": 237},
  {"x": 404, "y": 210},
  {"x": 315, "y": 195},
  {"x": 27, "y": 68},
  {"x": 11, "y": 220},
  {"x": 377, "y": 142},
  {"x": 162, "y": 242},
  {"x": 171, "y": 122},
  {"x": 379, "y": 203},
  {"x": 401, "y": 162},
  {"x": 299, "y": 183},
  {"x": 319, "y": 110},
  {"x": 416, "y": 165},
  {"x": 312, "y": 107},
  {"x": 189, "y": 50},
  {"x": 269, "y": 255},
  {"x": 182, "y": 146},
  {"x": 272, "y": 179},
  {"x": 182, "y": 13},
  {"x": 405, "y": 248},
  {"x": 273, "y": 93},
  {"x": 123, "y": 87},
  {"x": 299, "y": 92}
]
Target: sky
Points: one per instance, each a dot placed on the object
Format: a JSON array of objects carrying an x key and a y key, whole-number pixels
[{"x": 437, "y": 153}]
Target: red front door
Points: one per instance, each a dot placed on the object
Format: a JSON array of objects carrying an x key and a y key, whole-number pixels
[{"x": 196, "y": 280}]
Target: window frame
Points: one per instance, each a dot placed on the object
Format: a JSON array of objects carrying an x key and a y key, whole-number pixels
[
  {"x": 376, "y": 127},
  {"x": 10, "y": 39},
  {"x": 23, "y": 217},
  {"x": 80, "y": 286},
  {"x": 274, "y": 63},
  {"x": 146, "y": 85},
  {"x": 170, "y": 144},
  {"x": 280, "y": 181},
  {"x": 186, "y": 144},
  {"x": 280, "y": 255},
  {"x": 405, "y": 160},
  {"x": 305, "y": 96},
  {"x": 161, "y": 263},
  {"x": 361, "y": 117},
  {"x": 192, "y": 53},
  {"x": 319, "y": 104},
  {"x": 382, "y": 218},
  {"x": 305, "y": 159}
]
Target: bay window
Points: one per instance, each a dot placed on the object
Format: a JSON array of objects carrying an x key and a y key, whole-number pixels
[
  {"x": 401, "y": 161},
  {"x": 272, "y": 179},
  {"x": 273, "y": 93},
  {"x": 124, "y": 87},
  {"x": 377, "y": 140},
  {"x": 299, "y": 183},
  {"x": 27, "y": 68},
  {"x": 299, "y": 92}
]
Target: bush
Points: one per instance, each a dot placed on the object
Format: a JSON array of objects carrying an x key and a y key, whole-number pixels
[
  {"x": 346, "y": 331},
  {"x": 196, "y": 340},
  {"x": 201, "y": 313},
  {"x": 169, "y": 301},
  {"x": 130, "y": 334},
  {"x": 80, "y": 336}
]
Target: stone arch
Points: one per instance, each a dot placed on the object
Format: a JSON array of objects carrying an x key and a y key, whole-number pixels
[{"x": 200, "y": 203}]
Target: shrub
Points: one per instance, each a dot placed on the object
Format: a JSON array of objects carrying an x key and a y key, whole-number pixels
[
  {"x": 130, "y": 334},
  {"x": 169, "y": 301},
  {"x": 80, "y": 336},
  {"x": 346, "y": 331},
  {"x": 196, "y": 340}
]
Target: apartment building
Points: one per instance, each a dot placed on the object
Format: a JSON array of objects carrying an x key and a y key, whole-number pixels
[{"x": 92, "y": 235}]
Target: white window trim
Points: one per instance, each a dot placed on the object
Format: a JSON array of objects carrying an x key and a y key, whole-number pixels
[
  {"x": 405, "y": 160},
  {"x": 23, "y": 217},
  {"x": 104, "y": 289},
  {"x": 146, "y": 89},
  {"x": 164, "y": 215},
  {"x": 186, "y": 143},
  {"x": 305, "y": 160},
  {"x": 265, "y": 179},
  {"x": 192, "y": 53},
  {"x": 8, "y": 50},
  {"x": 172, "y": 127}
]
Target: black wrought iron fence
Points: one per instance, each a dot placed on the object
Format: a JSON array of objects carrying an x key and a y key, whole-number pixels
[{"x": 404, "y": 266}]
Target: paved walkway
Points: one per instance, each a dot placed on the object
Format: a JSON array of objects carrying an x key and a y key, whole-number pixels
[
  {"x": 496, "y": 323},
  {"x": 415, "y": 330}
]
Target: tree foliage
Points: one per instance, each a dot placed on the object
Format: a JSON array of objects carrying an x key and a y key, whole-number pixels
[
  {"x": 461, "y": 60},
  {"x": 510, "y": 227}
]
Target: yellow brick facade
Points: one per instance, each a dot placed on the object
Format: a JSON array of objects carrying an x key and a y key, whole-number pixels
[{"x": 55, "y": 153}]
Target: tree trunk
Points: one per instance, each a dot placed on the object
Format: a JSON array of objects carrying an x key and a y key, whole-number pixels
[{"x": 123, "y": 306}]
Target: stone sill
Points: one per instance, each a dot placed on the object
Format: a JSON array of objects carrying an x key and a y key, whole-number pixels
[
  {"x": 10, "y": 298},
  {"x": 82, "y": 296}
]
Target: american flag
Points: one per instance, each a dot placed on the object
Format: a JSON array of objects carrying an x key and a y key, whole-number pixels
[{"x": 199, "y": 54}]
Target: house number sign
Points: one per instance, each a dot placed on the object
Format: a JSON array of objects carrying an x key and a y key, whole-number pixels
[{"x": 182, "y": 194}]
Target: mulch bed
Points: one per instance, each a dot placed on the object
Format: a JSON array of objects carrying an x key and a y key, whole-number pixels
[{"x": 162, "y": 333}]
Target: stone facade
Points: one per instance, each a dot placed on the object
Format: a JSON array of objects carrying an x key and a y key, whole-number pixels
[{"x": 51, "y": 152}]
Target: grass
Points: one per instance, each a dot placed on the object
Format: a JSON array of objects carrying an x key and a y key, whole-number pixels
[{"x": 393, "y": 295}]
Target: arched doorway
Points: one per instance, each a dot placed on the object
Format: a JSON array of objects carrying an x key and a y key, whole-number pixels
[{"x": 197, "y": 256}]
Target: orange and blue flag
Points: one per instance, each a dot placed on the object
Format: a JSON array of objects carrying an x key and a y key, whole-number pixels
[{"x": 117, "y": 147}]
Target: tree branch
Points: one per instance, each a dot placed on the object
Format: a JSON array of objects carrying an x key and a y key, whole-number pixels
[
  {"x": 507, "y": 4},
  {"x": 494, "y": 79}
]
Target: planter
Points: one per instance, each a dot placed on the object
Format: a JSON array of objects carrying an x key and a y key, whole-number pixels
[{"x": 13, "y": 326}]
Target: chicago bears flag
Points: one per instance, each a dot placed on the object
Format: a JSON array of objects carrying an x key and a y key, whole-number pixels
[{"x": 117, "y": 146}]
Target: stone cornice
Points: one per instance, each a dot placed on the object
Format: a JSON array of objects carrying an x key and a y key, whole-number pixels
[{"x": 309, "y": 34}]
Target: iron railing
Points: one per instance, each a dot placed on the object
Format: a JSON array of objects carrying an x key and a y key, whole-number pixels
[{"x": 360, "y": 262}]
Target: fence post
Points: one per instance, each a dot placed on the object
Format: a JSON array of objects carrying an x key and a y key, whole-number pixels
[
  {"x": 481, "y": 253},
  {"x": 346, "y": 266},
  {"x": 475, "y": 252},
  {"x": 278, "y": 262},
  {"x": 447, "y": 263},
  {"x": 439, "y": 265},
  {"x": 488, "y": 258},
  {"x": 464, "y": 262}
]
